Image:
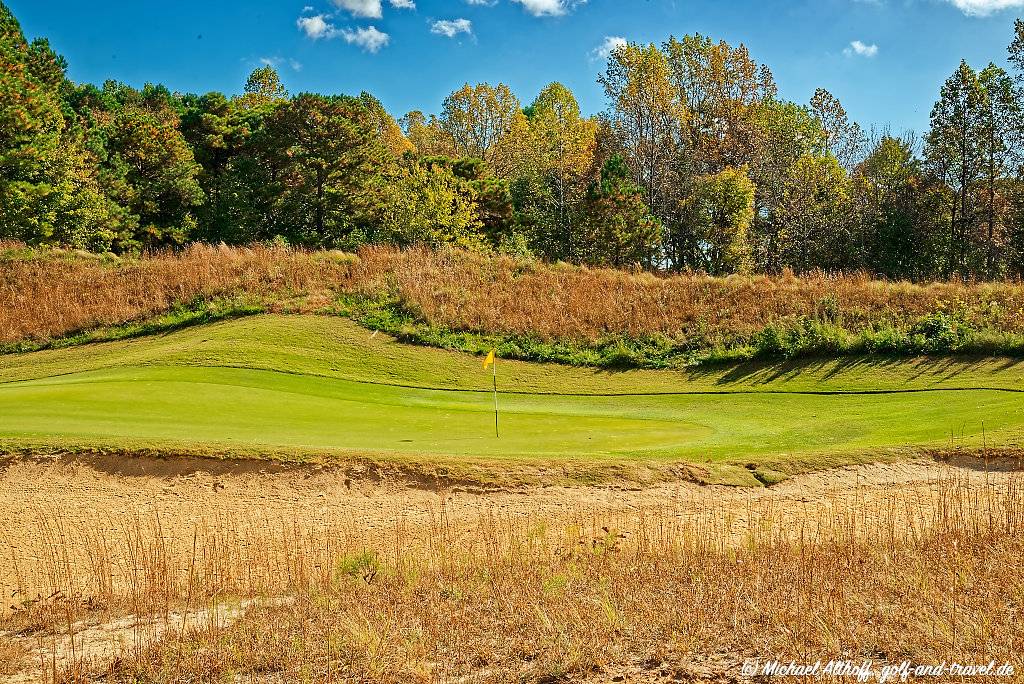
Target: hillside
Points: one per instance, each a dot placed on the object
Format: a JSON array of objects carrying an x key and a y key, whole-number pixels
[
  {"x": 314, "y": 387},
  {"x": 527, "y": 309}
]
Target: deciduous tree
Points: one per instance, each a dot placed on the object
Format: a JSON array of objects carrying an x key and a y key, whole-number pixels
[
  {"x": 427, "y": 204},
  {"x": 815, "y": 216},
  {"x": 646, "y": 117},
  {"x": 1000, "y": 131},
  {"x": 485, "y": 122},
  {"x": 718, "y": 85},
  {"x": 842, "y": 138},
  {"x": 900, "y": 211},
  {"x": 721, "y": 211},
  {"x": 563, "y": 156},
  {"x": 955, "y": 155}
]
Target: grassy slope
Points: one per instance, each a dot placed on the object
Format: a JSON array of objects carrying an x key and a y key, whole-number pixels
[{"x": 315, "y": 385}]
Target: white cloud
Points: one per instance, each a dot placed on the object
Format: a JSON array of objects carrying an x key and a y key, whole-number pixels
[
  {"x": 549, "y": 8},
  {"x": 317, "y": 27},
  {"x": 276, "y": 62},
  {"x": 983, "y": 8},
  {"x": 369, "y": 38},
  {"x": 360, "y": 8},
  {"x": 605, "y": 49},
  {"x": 403, "y": 4},
  {"x": 486, "y": 3},
  {"x": 450, "y": 28},
  {"x": 861, "y": 49}
]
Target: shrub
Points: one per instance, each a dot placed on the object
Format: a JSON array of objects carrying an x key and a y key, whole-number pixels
[{"x": 942, "y": 332}]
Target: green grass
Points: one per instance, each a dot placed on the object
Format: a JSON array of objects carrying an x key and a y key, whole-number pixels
[{"x": 314, "y": 386}]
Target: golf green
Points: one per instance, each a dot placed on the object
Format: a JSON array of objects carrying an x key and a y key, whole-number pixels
[{"x": 317, "y": 384}]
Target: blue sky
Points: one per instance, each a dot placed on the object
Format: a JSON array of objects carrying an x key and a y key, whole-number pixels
[{"x": 885, "y": 59}]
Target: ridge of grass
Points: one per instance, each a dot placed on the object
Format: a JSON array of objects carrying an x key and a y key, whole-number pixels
[
  {"x": 181, "y": 315},
  {"x": 554, "y": 313},
  {"x": 939, "y": 334}
]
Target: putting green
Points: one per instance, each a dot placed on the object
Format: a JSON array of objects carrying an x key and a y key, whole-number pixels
[{"x": 315, "y": 384}]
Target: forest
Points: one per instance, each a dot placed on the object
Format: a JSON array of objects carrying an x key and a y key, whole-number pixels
[{"x": 696, "y": 164}]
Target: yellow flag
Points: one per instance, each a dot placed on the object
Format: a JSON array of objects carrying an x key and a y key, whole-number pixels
[{"x": 489, "y": 360}]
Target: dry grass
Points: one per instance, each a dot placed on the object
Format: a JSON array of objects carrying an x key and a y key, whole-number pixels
[
  {"x": 540, "y": 601},
  {"x": 479, "y": 293},
  {"x": 46, "y": 296},
  {"x": 12, "y": 658},
  {"x": 52, "y": 295}
]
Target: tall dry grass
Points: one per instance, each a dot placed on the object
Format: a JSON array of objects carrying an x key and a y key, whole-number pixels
[
  {"x": 47, "y": 296},
  {"x": 50, "y": 295},
  {"x": 673, "y": 590},
  {"x": 498, "y": 294}
]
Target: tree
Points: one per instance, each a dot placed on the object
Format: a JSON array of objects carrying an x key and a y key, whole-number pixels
[
  {"x": 814, "y": 216},
  {"x": 491, "y": 196},
  {"x": 1017, "y": 48},
  {"x": 564, "y": 146},
  {"x": 387, "y": 129},
  {"x": 646, "y": 117},
  {"x": 425, "y": 135},
  {"x": 900, "y": 211},
  {"x": 143, "y": 162},
  {"x": 719, "y": 86},
  {"x": 263, "y": 88},
  {"x": 955, "y": 154},
  {"x": 31, "y": 126},
  {"x": 427, "y": 204},
  {"x": 313, "y": 173},
  {"x": 151, "y": 171},
  {"x": 1000, "y": 151},
  {"x": 78, "y": 212},
  {"x": 842, "y": 138},
  {"x": 486, "y": 123},
  {"x": 785, "y": 134},
  {"x": 217, "y": 130},
  {"x": 619, "y": 228},
  {"x": 1015, "y": 231},
  {"x": 721, "y": 210},
  {"x": 50, "y": 190},
  {"x": 10, "y": 29},
  {"x": 45, "y": 64}
]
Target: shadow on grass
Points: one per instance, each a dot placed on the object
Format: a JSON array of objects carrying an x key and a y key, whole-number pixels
[{"x": 765, "y": 372}]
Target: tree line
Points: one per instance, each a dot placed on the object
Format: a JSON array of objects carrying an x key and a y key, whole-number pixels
[{"x": 695, "y": 164}]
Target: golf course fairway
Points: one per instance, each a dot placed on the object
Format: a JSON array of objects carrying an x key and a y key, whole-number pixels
[{"x": 306, "y": 384}]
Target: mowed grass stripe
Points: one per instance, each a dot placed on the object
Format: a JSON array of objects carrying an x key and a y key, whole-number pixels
[
  {"x": 237, "y": 407},
  {"x": 683, "y": 393}
]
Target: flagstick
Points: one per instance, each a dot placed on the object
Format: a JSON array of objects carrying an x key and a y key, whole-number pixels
[{"x": 494, "y": 376}]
